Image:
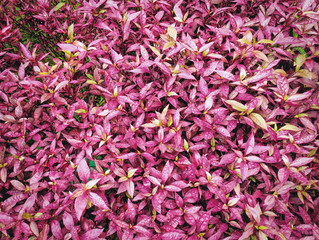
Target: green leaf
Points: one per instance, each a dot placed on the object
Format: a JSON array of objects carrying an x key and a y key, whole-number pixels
[
  {"x": 294, "y": 34},
  {"x": 301, "y": 50},
  {"x": 58, "y": 6}
]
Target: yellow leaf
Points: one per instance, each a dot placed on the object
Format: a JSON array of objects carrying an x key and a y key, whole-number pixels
[
  {"x": 131, "y": 172},
  {"x": 280, "y": 71},
  {"x": 122, "y": 179},
  {"x": 304, "y": 73},
  {"x": 38, "y": 214},
  {"x": 169, "y": 94},
  {"x": 267, "y": 41},
  {"x": 172, "y": 32},
  {"x": 242, "y": 74},
  {"x": 90, "y": 76},
  {"x": 155, "y": 50},
  {"x": 186, "y": 146},
  {"x": 26, "y": 216},
  {"x": 237, "y": 105},
  {"x": 80, "y": 111},
  {"x": 260, "y": 55},
  {"x": 314, "y": 106},
  {"x": 259, "y": 120},
  {"x": 53, "y": 68},
  {"x": 300, "y": 60},
  {"x": 290, "y": 127},
  {"x": 91, "y": 82},
  {"x": 206, "y": 52},
  {"x": 244, "y": 41},
  {"x": 168, "y": 45},
  {"x": 209, "y": 176},
  {"x": 70, "y": 32}
]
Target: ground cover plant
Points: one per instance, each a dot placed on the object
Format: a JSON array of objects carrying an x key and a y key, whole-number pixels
[{"x": 159, "y": 119}]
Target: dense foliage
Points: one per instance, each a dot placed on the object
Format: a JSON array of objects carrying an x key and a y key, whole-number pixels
[{"x": 159, "y": 119}]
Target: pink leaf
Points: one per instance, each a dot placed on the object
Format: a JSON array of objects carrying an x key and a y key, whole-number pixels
[
  {"x": 283, "y": 174},
  {"x": 122, "y": 224},
  {"x": 228, "y": 158},
  {"x": 68, "y": 221},
  {"x": 186, "y": 75},
  {"x": 209, "y": 103},
  {"x": 172, "y": 188},
  {"x": 154, "y": 180},
  {"x": 206, "y": 46},
  {"x": 172, "y": 236},
  {"x": 30, "y": 201},
  {"x": 131, "y": 211},
  {"x": 68, "y": 47},
  {"x": 34, "y": 228},
  {"x": 140, "y": 120},
  {"x": 98, "y": 201},
  {"x": 167, "y": 170},
  {"x": 3, "y": 174},
  {"x": 75, "y": 143},
  {"x": 283, "y": 85},
  {"x": 244, "y": 170},
  {"x": 254, "y": 159},
  {"x": 5, "y": 218},
  {"x": 199, "y": 146},
  {"x": 92, "y": 234},
  {"x": 128, "y": 156},
  {"x": 210, "y": 69},
  {"x": 250, "y": 144},
  {"x": 83, "y": 171},
  {"x": 259, "y": 76},
  {"x": 226, "y": 75},
  {"x": 26, "y": 52},
  {"x": 223, "y": 131},
  {"x": 192, "y": 210},
  {"x": 148, "y": 156},
  {"x": 80, "y": 205},
  {"x": 298, "y": 97},
  {"x": 18, "y": 185},
  {"x": 302, "y": 161},
  {"x": 130, "y": 187},
  {"x": 202, "y": 223},
  {"x": 56, "y": 229},
  {"x": 202, "y": 86}
]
